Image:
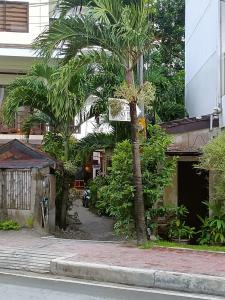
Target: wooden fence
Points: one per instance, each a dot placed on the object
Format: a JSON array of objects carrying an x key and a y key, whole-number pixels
[{"x": 15, "y": 189}]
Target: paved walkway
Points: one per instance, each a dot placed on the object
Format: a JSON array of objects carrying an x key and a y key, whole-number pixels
[
  {"x": 92, "y": 227},
  {"x": 115, "y": 254}
]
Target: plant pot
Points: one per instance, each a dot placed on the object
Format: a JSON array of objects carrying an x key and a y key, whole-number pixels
[
  {"x": 163, "y": 231},
  {"x": 181, "y": 241}
]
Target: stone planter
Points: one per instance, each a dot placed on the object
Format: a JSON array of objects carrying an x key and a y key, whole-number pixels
[{"x": 181, "y": 241}]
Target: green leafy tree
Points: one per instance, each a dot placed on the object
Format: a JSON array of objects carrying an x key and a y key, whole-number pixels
[
  {"x": 116, "y": 195},
  {"x": 123, "y": 30},
  {"x": 166, "y": 59}
]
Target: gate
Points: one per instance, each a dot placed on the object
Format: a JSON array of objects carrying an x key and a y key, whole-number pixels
[{"x": 15, "y": 189}]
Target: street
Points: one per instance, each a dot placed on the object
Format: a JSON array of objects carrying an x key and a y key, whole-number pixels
[{"x": 17, "y": 287}]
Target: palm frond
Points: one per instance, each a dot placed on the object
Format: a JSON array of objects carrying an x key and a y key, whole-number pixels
[
  {"x": 94, "y": 142},
  {"x": 35, "y": 119},
  {"x": 123, "y": 30},
  {"x": 24, "y": 92}
]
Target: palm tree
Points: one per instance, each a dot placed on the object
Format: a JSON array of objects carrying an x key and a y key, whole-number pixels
[
  {"x": 49, "y": 103},
  {"x": 118, "y": 28}
]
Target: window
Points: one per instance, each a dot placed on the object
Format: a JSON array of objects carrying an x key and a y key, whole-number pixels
[{"x": 14, "y": 16}]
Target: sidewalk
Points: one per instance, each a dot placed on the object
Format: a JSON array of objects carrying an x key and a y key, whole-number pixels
[{"x": 174, "y": 269}]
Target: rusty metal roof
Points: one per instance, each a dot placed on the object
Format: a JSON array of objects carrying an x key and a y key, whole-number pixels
[
  {"x": 25, "y": 164},
  {"x": 183, "y": 151},
  {"x": 18, "y": 155},
  {"x": 188, "y": 124}
]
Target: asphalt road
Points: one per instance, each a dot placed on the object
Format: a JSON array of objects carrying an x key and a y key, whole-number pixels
[{"x": 31, "y": 288}]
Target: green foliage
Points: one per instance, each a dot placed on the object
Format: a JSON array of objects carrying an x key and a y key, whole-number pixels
[
  {"x": 95, "y": 141},
  {"x": 213, "y": 159},
  {"x": 9, "y": 225},
  {"x": 30, "y": 221},
  {"x": 95, "y": 185},
  {"x": 213, "y": 228},
  {"x": 53, "y": 145},
  {"x": 158, "y": 216},
  {"x": 125, "y": 31},
  {"x": 116, "y": 196},
  {"x": 166, "y": 60},
  {"x": 157, "y": 168},
  {"x": 160, "y": 212},
  {"x": 108, "y": 75},
  {"x": 178, "y": 229},
  {"x": 166, "y": 244}
]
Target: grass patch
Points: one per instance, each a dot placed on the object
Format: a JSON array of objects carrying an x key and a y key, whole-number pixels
[
  {"x": 9, "y": 225},
  {"x": 165, "y": 244}
]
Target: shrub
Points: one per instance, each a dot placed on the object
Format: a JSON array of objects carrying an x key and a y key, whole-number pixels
[
  {"x": 95, "y": 185},
  {"x": 30, "y": 221},
  {"x": 9, "y": 225},
  {"x": 213, "y": 159},
  {"x": 213, "y": 228},
  {"x": 178, "y": 228},
  {"x": 116, "y": 196}
]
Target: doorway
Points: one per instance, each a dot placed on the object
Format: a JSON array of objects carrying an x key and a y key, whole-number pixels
[{"x": 193, "y": 190}]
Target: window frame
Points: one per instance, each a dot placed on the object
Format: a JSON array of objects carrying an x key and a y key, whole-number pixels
[{"x": 5, "y": 19}]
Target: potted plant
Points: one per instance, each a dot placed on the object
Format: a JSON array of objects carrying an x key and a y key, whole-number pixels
[
  {"x": 178, "y": 231},
  {"x": 213, "y": 227},
  {"x": 181, "y": 233},
  {"x": 158, "y": 220}
]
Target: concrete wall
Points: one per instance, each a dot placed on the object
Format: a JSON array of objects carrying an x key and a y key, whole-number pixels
[
  {"x": 202, "y": 56},
  {"x": 189, "y": 140},
  {"x": 194, "y": 139}
]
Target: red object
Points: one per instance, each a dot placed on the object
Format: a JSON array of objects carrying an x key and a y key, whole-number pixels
[{"x": 79, "y": 184}]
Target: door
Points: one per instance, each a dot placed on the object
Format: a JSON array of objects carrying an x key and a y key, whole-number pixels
[{"x": 193, "y": 189}]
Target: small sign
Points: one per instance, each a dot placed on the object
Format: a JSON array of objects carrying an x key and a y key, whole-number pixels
[{"x": 123, "y": 114}]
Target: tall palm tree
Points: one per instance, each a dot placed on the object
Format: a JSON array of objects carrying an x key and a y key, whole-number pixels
[{"x": 123, "y": 30}]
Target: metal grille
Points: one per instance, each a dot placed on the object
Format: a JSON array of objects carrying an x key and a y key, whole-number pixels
[{"x": 15, "y": 189}]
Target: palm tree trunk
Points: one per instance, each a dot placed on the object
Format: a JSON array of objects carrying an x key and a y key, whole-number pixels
[
  {"x": 65, "y": 197},
  {"x": 139, "y": 208},
  {"x": 66, "y": 148},
  {"x": 65, "y": 185}
]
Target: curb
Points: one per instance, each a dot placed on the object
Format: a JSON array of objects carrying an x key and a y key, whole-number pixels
[{"x": 174, "y": 281}]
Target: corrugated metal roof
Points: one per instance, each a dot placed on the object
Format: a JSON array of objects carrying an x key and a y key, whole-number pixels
[
  {"x": 182, "y": 151},
  {"x": 18, "y": 155},
  {"x": 189, "y": 124},
  {"x": 26, "y": 164}
]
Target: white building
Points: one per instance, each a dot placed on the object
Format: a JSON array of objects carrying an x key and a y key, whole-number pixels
[
  {"x": 21, "y": 21},
  {"x": 205, "y": 53}
]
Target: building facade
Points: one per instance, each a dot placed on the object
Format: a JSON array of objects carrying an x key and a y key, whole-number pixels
[
  {"x": 205, "y": 58},
  {"x": 21, "y": 21}
]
